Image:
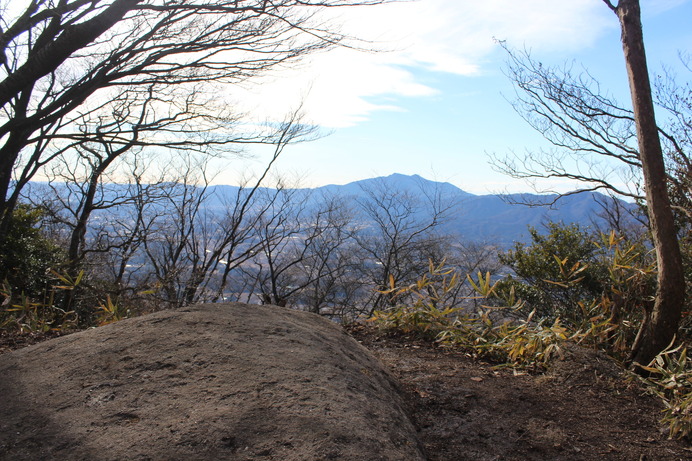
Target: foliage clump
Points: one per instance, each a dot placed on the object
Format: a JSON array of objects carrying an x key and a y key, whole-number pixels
[
  {"x": 36, "y": 295},
  {"x": 31, "y": 288},
  {"x": 671, "y": 379},
  {"x": 26, "y": 255},
  {"x": 492, "y": 332},
  {"x": 590, "y": 292}
]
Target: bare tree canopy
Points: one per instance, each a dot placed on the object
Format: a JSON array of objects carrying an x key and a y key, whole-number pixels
[
  {"x": 138, "y": 73},
  {"x": 592, "y": 136}
]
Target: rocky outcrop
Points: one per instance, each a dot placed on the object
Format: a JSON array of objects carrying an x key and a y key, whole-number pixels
[{"x": 222, "y": 381}]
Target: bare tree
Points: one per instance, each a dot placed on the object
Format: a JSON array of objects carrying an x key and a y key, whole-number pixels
[
  {"x": 62, "y": 60},
  {"x": 593, "y": 138},
  {"x": 172, "y": 249},
  {"x": 607, "y": 147},
  {"x": 304, "y": 254},
  {"x": 676, "y": 100},
  {"x": 284, "y": 236},
  {"x": 238, "y": 243},
  {"x": 616, "y": 215},
  {"x": 171, "y": 223},
  {"x": 188, "y": 237},
  {"x": 330, "y": 260},
  {"x": 122, "y": 236},
  {"x": 401, "y": 237},
  {"x": 100, "y": 224}
]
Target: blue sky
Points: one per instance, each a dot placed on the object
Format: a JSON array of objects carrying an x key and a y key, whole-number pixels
[{"x": 434, "y": 100}]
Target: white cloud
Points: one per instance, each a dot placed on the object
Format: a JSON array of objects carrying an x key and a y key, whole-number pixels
[
  {"x": 452, "y": 36},
  {"x": 333, "y": 89}
]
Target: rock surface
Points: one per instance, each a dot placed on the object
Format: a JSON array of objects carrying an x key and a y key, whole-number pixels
[{"x": 229, "y": 381}]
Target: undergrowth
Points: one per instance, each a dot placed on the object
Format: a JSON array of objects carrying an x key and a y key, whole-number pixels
[
  {"x": 22, "y": 314},
  {"x": 496, "y": 333},
  {"x": 671, "y": 379},
  {"x": 498, "y": 330}
]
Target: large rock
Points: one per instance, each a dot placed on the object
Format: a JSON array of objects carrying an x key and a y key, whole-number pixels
[{"x": 229, "y": 381}]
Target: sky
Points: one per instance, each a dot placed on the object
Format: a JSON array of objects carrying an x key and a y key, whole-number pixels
[{"x": 433, "y": 99}]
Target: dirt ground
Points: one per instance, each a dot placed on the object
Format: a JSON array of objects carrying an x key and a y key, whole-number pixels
[
  {"x": 584, "y": 408},
  {"x": 245, "y": 382}
]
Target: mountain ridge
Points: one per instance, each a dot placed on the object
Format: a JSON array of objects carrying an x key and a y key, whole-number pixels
[
  {"x": 490, "y": 218},
  {"x": 486, "y": 219}
]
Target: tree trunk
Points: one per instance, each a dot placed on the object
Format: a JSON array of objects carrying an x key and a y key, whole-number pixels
[
  {"x": 50, "y": 57},
  {"x": 661, "y": 322}
]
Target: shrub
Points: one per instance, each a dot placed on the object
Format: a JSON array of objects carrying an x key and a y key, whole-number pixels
[
  {"x": 498, "y": 332},
  {"x": 671, "y": 379},
  {"x": 568, "y": 273},
  {"x": 26, "y": 255},
  {"x": 427, "y": 315},
  {"x": 23, "y": 314},
  {"x": 489, "y": 332}
]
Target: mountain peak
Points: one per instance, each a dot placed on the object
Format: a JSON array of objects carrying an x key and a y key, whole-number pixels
[{"x": 404, "y": 182}]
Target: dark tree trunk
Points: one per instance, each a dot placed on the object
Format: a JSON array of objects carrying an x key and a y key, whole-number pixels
[{"x": 661, "y": 321}]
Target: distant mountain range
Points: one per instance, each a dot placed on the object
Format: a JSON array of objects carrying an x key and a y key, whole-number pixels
[{"x": 493, "y": 219}]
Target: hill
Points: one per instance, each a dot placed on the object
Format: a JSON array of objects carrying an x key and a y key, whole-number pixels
[{"x": 491, "y": 218}]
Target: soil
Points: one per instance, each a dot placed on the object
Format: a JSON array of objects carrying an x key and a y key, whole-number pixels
[
  {"x": 584, "y": 408},
  {"x": 243, "y": 382}
]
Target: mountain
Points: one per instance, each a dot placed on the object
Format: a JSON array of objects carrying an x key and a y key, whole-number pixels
[
  {"x": 489, "y": 218},
  {"x": 413, "y": 184},
  {"x": 495, "y": 219}
]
